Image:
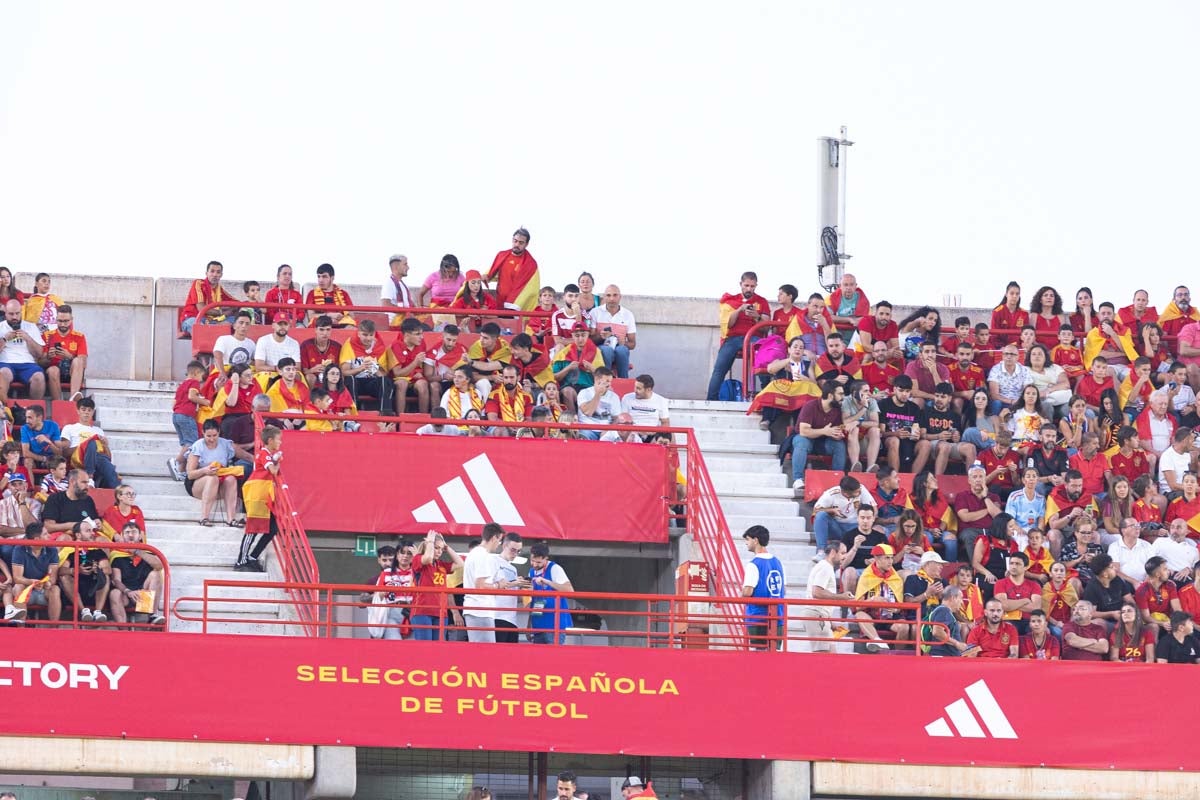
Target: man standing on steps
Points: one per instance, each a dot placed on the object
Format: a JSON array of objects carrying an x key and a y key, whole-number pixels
[{"x": 764, "y": 579}]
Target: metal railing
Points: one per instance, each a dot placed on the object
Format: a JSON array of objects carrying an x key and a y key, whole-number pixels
[
  {"x": 71, "y": 563},
  {"x": 622, "y": 620},
  {"x": 495, "y": 314}
]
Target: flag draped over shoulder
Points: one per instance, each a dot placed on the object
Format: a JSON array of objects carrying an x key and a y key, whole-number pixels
[
  {"x": 938, "y": 515},
  {"x": 871, "y": 582},
  {"x": 729, "y": 304},
  {"x": 862, "y": 307},
  {"x": 519, "y": 280},
  {"x": 1172, "y": 312},
  {"x": 1057, "y": 502},
  {"x": 1095, "y": 341},
  {"x": 785, "y": 395}
]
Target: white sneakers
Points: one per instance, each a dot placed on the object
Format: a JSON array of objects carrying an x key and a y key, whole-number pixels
[
  {"x": 87, "y": 615},
  {"x": 798, "y": 484},
  {"x": 13, "y": 614}
]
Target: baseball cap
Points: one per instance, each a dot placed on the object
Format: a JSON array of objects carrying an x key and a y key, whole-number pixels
[
  {"x": 472, "y": 275},
  {"x": 931, "y": 555},
  {"x": 279, "y": 317},
  {"x": 883, "y": 550},
  {"x": 15, "y": 476},
  {"x": 397, "y": 257},
  {"x": 632, "y": 781}
]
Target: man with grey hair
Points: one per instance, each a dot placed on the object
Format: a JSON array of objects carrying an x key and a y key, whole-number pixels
[
  {"x": 21, "y": 348},
  {"x": 942, "y": 629},
  {"x": 1084, "y": 638},
  {"x": 975, "y": 509}
]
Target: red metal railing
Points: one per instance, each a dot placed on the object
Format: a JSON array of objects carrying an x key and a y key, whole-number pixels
[
  {"x": 75, "y": 623},
  {"x": 488, "y": 313},
  {"x": 645, "y": 620},
  {"x": 703, "y": 516}
]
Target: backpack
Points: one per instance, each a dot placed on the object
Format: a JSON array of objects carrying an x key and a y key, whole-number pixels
[
  {"x": 731, "y": 391},
  {"x": 766, "y": 350}
]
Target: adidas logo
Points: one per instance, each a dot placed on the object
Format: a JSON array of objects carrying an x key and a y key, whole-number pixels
[
  {"x": 964, "y": 721},
  {"x": 456, "y": 496}
]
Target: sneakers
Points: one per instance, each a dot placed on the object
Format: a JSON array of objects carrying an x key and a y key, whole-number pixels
[
  {"x": 86, "y": 615},
  {"x": 253, "y": 565},
  {"x": 873, "y": 468},
  {"x": 798, "y": 485},
  {"x": 99, "y": 616},
  {"x": 855, "y": 467},
  {"x": 76, "y": 396},
  {"x": 176, "y": 472},
  {"x": 158, "y": 619},
  {"x": 764, "y": 425},
  {"x": 877, "y": 645},
  {"x": 12, "y": 613}
]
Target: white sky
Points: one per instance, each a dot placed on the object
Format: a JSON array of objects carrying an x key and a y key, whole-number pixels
[{"x": 663, "y": 146}]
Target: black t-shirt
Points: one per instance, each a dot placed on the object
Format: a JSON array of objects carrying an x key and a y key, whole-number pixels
[
  {"x": 1170, "y": 649},
  {"x": 1109, "y": 599},
  {"x": 894, "y": 417},
  {"x": 863, "y": 555},
  {"x": 61, "y": 508},
  {"x": 133, "y": 576},
  {"x": 942, "y": 421},
  {"x": 1056, "y": 464}
]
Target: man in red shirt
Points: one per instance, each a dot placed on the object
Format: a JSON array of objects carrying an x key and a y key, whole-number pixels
[
  {"x": 1157, "y": 596},
  {"x": 329, "y": 293},
  {"x": 880, "y": 328},
  {"x": 1019, "y": 595},
  {"x": 508, "y": 402},
  {"x": 318, "y": 352},
  {"x": 1084, "y": 638},
  {"x": 965, "y": 375},
  {"x": 740, "y": 312},
  {"x": 408, "y": 366},
  {"x": 1130, "y": 461},
  {"x": 877, "y": 372},
  {"x": 995, "y": 638},
  {"x": 1092, "y": 464},
  {"x": 65, "y": 353}
]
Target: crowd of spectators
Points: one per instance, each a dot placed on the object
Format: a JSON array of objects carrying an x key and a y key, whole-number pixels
[{"x": 1074, "y": 429}]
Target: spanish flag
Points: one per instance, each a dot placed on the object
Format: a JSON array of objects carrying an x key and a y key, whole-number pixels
[
  {"x": 939, "y": 515},
  {"x": 1125, "y": 392},
  {"x": 502, "y": 353},
  {"x": 1095, "y": 341},
  {"x": 1039, "y": 562},
  {"x": 519, "y": 280},
  {"x": 1182, "y": 508},
  {"x": 785, "y": 395},
  {"x": 23, "y": 595},
  {"x": 1172, "y": 312},
  {"x": 862, "y": 307},
  {"x": 1058, "y": 502},
  {"x": 871, "y": 582},
  {"x": 729, "y": 304}
]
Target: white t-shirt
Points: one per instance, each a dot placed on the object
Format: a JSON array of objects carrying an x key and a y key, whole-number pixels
[
  {"x": 235, "y": 353},
  {"x": 1179, "y": 555},
  {"x": 599, "y": 315},
  {"x": 843, "y": 508},
  {"x": 615, "y": 436},
  {"x": 447, "y": 430},
  {"x": 651, "y": 411},
  {"x": 479, "y": 564},
  {"x": 608, "y": 407},
  {"x": 822, "y": 574},
  {"x": 1160, "y": 433},
  {"x": 1178, "y": 463},
  {"x": 464, "y": 401},
  {"x": 1131, "y": 560},
  {"x": 506, "y": 606},
  {"x": 1184, "y": 397},
  {"x": 270, "y": 351},
  {"x": 403, "y": 298},
  {"x": 16, "y": 351},
  {"x": 77, "y": 431}
]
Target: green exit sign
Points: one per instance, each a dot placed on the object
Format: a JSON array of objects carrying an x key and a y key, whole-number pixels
[{"x": 364, "y": 546}]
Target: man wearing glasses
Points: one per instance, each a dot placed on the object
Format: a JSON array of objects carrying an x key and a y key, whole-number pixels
[{"x": 1006, "y": 380}]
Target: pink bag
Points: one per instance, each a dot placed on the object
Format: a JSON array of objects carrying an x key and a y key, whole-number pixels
[{"x": 768, "y": 349}]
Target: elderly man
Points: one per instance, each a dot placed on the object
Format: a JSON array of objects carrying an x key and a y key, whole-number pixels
[
  {"x": 1130, "y": 553},
  {"x": 1179, "y": 551},
  {"x": 23, "y": 346},
  {"x": 975, "y": 509},
  {"x": 1007, "y": 379},
  {"x": 879, "y": 582},
  {"x": 1084, "y": 638},
  {"x": 617, "y": 344},
  {"x": 943, "y": 629}
]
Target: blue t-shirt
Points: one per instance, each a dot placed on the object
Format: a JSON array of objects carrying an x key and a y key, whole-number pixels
[
  {"x": 36, "y": 566},
  {"x": 222, "y": 453},
  {"x": 49, "y": 428}
]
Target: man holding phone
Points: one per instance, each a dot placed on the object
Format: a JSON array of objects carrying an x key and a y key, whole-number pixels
[{"x": 23, "y": 345}]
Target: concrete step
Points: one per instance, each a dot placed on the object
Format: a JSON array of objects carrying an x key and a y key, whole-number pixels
[
  {"x": 756, "y": 507},
  {"x": 725, "y": 482},
  {"x": 139, "y": 420},
  {"x": 765, "y": 492},
  {"x": 758, "y": 465},
  {"x": 707, "y": 436},
  {"x": 238, "y": 623},
  {"x": 762, "y": 448},
  {"x": 108, "y": 385},
  {"x": 708, "y": 405},
  {"x": 783, "y": 528},
  {"x": 698, "y": 419},
  {"x": 177, "y": 500},
  {"x": 132, "y": 464},
  {"x": 161, "y": 531},
  {"x": 133, "y": 443},
  {"x": 148, "y": 400}
]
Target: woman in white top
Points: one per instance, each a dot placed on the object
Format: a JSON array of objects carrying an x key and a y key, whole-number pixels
[
  {"x": 1050, "y": 379},
  {"x": 860, "y": 410}
]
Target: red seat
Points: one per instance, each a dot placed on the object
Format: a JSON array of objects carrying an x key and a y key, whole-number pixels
[
  {"x": 64, "y": 413},
  {"x": 622, "y": 386}
]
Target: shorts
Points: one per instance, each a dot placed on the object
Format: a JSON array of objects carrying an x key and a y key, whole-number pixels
[
  {"x": 23, "y": 373},
  {"x": 759, "y": 635},
  {"x": 64, "y": 366},
  {"x": 186, "y": 429},
  {"x": 37, "y": 597}
]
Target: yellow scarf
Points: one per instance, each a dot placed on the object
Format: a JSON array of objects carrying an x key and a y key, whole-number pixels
[
  {"x": 454, "y": 404},
  {"x": 510, "y": 410}
]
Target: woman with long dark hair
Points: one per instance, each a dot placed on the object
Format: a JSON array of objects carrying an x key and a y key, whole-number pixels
[
  {"x": 1009, "y": 315},
  {"x": 1085, "y": 317},
  {"x": 1046, "y": 315},
  {"x": 990, "y": 558},
  {"x": 936, "y": 517},
  {"x": 922, "y": 326},
  {"x": 1131, "y": 641}
]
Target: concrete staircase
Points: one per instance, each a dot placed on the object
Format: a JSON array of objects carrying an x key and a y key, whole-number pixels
[
  {"x": 750, "y": 485},
  {"x": 136, "y": 416}
]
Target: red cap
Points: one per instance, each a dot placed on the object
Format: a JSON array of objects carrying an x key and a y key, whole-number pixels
[
  {"x": 473, "y": 275},
  {"x": 279, "y": 317},
  {"x": 883, "y": 550}
]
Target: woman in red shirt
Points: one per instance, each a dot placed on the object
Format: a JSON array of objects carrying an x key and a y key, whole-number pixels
[
  {"x": 285, "y": 292},
  {"x": 1130, "y": 640},
  {"x": 1046, "y": 315},
  {"x": 433, "y": 561},
  {"x": 343, "y": 401},
  {"x": 1085, "y": 317},
  {"x": 1009, "y": 315},
  {"x": 122, "y": 512},
  {"x": 473, "y": 296}
]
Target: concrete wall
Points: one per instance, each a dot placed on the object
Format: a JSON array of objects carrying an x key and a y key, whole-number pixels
[{"x": 130, "y": 323}]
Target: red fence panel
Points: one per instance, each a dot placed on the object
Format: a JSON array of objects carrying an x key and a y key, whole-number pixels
[{"x": 407, "y": 484}]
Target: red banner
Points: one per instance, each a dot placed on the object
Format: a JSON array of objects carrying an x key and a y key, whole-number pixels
[
  {"x": 585, "y": 700},
  {"x": 408, "y": 484}
]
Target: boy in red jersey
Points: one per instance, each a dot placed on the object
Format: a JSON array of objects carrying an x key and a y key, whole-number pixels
[
  {"x": 877, "y": 372},
  {"x": 408, "y": 359},
  {"x": 1092, "y": 385},
  {"x": 258, "y": 495},
  {"x": 1067, "y": 355}
]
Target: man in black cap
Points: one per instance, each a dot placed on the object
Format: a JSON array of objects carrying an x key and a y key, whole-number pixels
[{"x": 633, "y": 787}]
